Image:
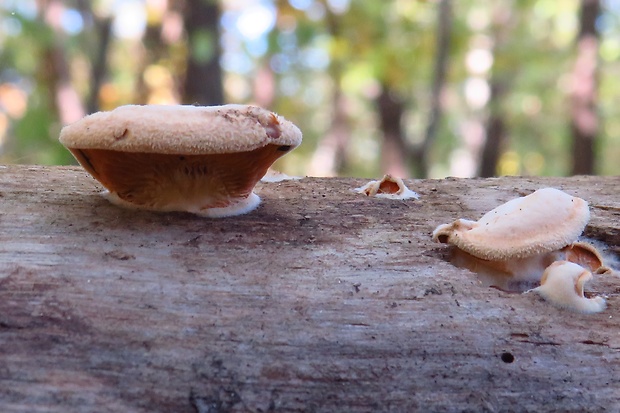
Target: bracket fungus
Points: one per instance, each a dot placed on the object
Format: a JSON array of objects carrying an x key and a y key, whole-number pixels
[
  {"x": 562, "y": 285},
  {"x": 204, "y": 160},
  {"x": 510, "y": 246},
  {"x": 388, "y": 187},
  {"x": 544, "y": 221}
]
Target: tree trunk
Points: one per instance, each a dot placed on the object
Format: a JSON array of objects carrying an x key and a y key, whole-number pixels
[
  {"x": 500, "y": 82},
  {"x": 55, "y": 68},
  {"x": 100, "y": 62},
  {"x": 584, "y": 117},
  {"x": 264, "y": 85},
  {"x": 321, "y": 300},
  {"x": 330, "y": 158},
  {"x": 203, "y": 78},
  {"x": 331, "y": 154},
  {"x": 442, "y": 54},
  {"x": 495, "y": 132},
  {"x": 394, "y": 150}
]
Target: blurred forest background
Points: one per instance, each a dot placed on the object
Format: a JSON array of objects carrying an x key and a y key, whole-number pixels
[{"x": 417, "y": 88}]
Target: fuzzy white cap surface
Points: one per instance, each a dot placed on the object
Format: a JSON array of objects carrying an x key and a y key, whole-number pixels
[{"x": 181, "y": 129}]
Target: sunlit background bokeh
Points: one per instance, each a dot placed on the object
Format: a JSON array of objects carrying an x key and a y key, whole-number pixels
[{"x": 356, "y": 77}]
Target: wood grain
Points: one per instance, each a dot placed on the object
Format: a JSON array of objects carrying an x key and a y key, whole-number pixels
[{"x": 321, "y": 300}]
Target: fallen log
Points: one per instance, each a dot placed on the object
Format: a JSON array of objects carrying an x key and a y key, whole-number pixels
[{"x": 322, "y": 299}]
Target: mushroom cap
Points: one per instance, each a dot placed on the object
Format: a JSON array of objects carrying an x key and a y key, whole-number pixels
[
  {"x": 562, "y": 284},
  {"x": 544, "y": 221},
  {"x": 181, "y": 130}
]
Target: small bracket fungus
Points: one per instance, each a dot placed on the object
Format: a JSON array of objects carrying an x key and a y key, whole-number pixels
[
  {"x": 562, "y": 285},
  {"x": 543, "y": 221},
  {"x": 585, "y": 255},
  {"x": 204, "y": 160},
  {"x": 511, "y": 245},
  {"x": 389, "y": 187}
]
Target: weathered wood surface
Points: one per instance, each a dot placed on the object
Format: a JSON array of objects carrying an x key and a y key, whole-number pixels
[{"x": 321, "y": 300}]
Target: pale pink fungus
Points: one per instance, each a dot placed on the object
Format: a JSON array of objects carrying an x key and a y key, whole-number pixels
[
  {"x": 388, "y": 187},
  {"x": 511, "y": 245},
  {"x": 543, "y": 221},
  {"x": 562, "y": 284}
]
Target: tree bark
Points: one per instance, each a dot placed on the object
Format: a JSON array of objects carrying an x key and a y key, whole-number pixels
[
  {"x": 584, "y": 117},
  {"x": 203, "y": 78},
  {"x": 321, "y": 300}
]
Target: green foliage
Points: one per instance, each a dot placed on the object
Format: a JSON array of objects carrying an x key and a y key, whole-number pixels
[
  {"x": 39, "y": 121},
  {"x": 318, "y": 49}
]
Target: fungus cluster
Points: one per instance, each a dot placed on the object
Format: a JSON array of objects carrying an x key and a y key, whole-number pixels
[
  {"x": 207, "y": 160},
  {"x": 522, "y": 243},
  {"x": 204, "y": 160}
]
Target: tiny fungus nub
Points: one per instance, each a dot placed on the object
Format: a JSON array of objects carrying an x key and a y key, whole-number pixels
[{"x": 388, "y": 187}]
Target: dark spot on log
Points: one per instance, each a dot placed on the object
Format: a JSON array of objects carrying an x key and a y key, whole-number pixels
[
  {"x": 594, "y": 343},
  {"x": 507, "y": 357},
  {"x": 194, "y": 242},
  {"x": 10, "y": 326},
  {"x": 221, "y": 401},
  {"x": 181, "y": 158},
  {"x": 284, "y": 148},
  {"x": 433, "y": 291},
  {"x": 119, "y": 255}
]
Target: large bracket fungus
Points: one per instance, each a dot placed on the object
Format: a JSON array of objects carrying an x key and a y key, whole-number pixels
[
  {"x": 204, "y": 160},
  {"x": 511, "y": 246}
]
